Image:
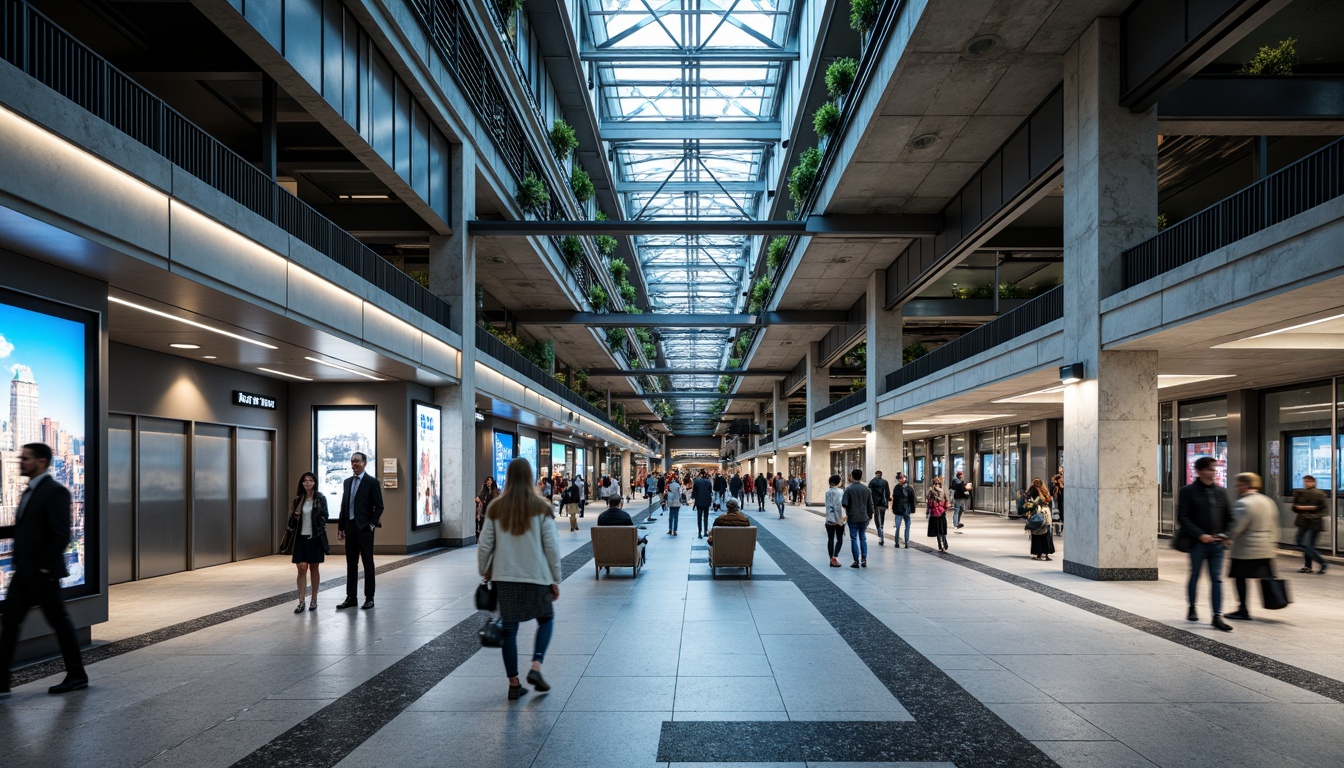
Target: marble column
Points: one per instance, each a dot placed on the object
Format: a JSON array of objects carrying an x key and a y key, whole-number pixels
[
  {"x": 818, "y": 396},
  {"x": 818, "y": 471},
  {"x": 452, "y": 276},
  {"x": 882, "y": 446},
  {"x": 1110, "y": 418},
  {"x": 627, "y": 473},
  {"x": 883, "y": 449},
  {"x": 781, "y": 411}
]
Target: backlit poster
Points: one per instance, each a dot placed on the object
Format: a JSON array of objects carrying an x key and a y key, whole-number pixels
[
  {"x": 580, "y": 469},
  {"x": 1308, "y": 455},
  {"x": 340, "y": 431},
  {"x": 559, "y": 465},
  {"x": 47, "y": 359},
  {"x": 503, "y": 455},
  {"x": 429, "y": 465},
  {"x": 527, "y": 449},
  {"x": 1197, "y": 450}
]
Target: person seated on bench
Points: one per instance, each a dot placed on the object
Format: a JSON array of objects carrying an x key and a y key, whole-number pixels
[
  {"x": 733, "y": 518},
  {"x": 617, "y": 516}
]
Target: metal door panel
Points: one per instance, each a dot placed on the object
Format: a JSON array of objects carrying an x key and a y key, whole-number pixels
[
  {"x": 212, "y": 496},
  {"x": 255, "y": 504},
  {"x": 120, "y": 499},
  {"x": 162, "y": 489}
]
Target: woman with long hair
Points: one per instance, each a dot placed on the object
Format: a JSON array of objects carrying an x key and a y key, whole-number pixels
[
  {"x": 520, "y": 552},
  {"x": 935, "y": 506},
  {"x": 486, "y": 495},
  {"x": 1042, "y": 539},
  {"x": 310, "y": 536}
]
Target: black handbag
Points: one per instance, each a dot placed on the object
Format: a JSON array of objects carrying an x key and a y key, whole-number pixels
[
  {"x": 492, "y": 634},
  {"x": 291, "y": 533},
  {"x": 1274, "y": 594},
  {"x": 487, "y": 599},
  {"x": 1182, "y": 542}
]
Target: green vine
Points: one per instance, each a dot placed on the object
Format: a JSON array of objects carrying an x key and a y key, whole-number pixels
[{"x": 760, "y": 293}]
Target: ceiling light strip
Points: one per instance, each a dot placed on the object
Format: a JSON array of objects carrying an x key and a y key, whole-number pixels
[
  {"x": 342, "y": 367},
  {"x": 282, "y": 373},
  {"x": 185, "y": 321}
]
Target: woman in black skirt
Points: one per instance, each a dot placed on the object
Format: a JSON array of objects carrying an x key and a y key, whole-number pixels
[
  {"x": 935, "y": 506},
  {"x": 310, "y": 540},
  {"x": 520, "y": 552},
  {"x": 1042, "y": 539},
  {"x": 486, "y": 495}
]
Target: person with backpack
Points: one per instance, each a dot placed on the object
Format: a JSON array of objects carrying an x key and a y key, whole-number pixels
[{"x": 1036, "y": 505}]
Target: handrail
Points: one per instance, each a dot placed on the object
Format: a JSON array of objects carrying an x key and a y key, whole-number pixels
[
  {"x": 492, "y": 346},
  {"x": 797, "y": 425},
  {"x": 41, "y": 49},
  {"x": 1307, "y": 183},
  {"x": 857, "y": 397},
  {"x": 1040, "y": 311}
]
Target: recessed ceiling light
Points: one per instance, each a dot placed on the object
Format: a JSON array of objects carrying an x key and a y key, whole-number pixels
[
  {"x": 1165, "y": 380},
  {"x": 208, "y": 357},
  {"x": 282, "y": 373},
  {"x": 185, "y": 321},
  {"x": 924, "y": 142},
  {"x": 982, "y": 45},
  {"x": 958, "y": 418},
  {"x": 185, "y": 346},
  {"x": 1048, "y": 395},
  {"x": 342, "y": 367}
]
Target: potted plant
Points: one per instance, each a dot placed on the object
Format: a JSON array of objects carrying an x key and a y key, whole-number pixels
[
  {"x": 572, "y": 249},
  {"x": 532, "y": 195},
  {"x": 760, "y": 293},
  {"x": 563, "y": 140},
  {"x": 863, "y": 15},
  {"x": 826, "y": 120},
  {"x": 803, "y": 176},
  {"x": 775, "y": 252},
  {"x": 840, "y": 76},
  {"x": 597, "y": 296},
  {"x": 619, "y": 269},
  {"x": 628, "y": 292},
  {"x": 581, "y": 183}
]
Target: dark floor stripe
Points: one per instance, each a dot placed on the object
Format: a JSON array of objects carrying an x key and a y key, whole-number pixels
[
  {"x": 796, "y": 742},
  {"x": 950, "y": 725},
  {"x": 738, "y": 576},
  {"x": 95, "y": 654},
  {"x": 326, "y": 737},
  {"x": 1287, "y": 673}
]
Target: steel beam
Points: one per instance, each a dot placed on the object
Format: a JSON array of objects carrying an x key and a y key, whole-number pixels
[
  {"x": 622, "y": 320},
  {"x": 901, "y": 225},
  {"x": 674, "y": 56},
  {"x": 684, "y": 394},
  {"x": 1210, "y": 98},
  {"x": 684, "y": 372},
  {"x": 703, "y": 187},
  {"x": 728, "y": 130}
]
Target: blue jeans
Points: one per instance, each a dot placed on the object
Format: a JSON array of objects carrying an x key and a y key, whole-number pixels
[
  {"x": 510, "y": 647},
  {"x": 779, "y": 502},
  {"x": 957, "y": 506},
  {"x": 901, "y": 517},
  {"x": 1213, "y": 554},
  {"x": 1306, "y": 539},
  {"x": 858, "y": 540},
  {"x": 672, "y": 514}
]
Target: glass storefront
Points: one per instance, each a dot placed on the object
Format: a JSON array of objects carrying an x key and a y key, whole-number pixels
[
  {"x": 843, "y": 462},
  {"x": 1298, "y": 438},
  {"x": 1166, "y": 468}
]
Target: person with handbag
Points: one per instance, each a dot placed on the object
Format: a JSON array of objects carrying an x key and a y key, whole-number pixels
[
  {"x": 1255, "y": 524},
  {"x": 1036, "y": 504},
  {"x": 935, "y": 507},
  {"x": 569, "y": 499},
  {"x": 486, "y": 495},
  {"x": 306, "y": 535},
  {"x": 1309, "y": 502},
  {"x": 520, "y": 554}
]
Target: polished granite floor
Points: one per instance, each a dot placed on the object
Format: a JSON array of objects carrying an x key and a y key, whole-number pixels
[{"x": 982, "y": 657}]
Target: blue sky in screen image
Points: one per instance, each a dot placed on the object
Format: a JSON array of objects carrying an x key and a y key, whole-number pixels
[{"x": 54, "y": 348}]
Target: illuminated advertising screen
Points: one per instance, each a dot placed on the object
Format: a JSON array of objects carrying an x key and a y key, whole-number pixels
[
  {"x": 580, "y": 469},
  {"x": 428, "y": 465},
  {"x": 1195, "y": 450},
  {"x": 503, "y": 455},
  {"x": 527, "y": 449},
  {"x": 338, "y": 432},
  {"x": 49, "y": 359}
]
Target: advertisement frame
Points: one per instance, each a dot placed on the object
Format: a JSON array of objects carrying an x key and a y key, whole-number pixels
[
  {"x": 415, "y": 482},
  {"x": 371, "y": 468}
]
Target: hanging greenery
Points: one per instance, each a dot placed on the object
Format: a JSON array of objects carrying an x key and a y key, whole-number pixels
[
  {"x": 615, "y": 338},
  {"x": 742, "y": 344},
  {"x": 1275, "y": 60},
  {"x": 532, "y": 194},
  {"x": 734, "y": 362},
  {"x": 619, "y": 269},
  {"x": 597, "y": 296},
  {"x": 760, "y": 293},
  {"x": 509, "y": 7},
  {"x": 644, "y": 335},
  {"x": 582, "y": 184},
  {"x": 863, "y": 14},
  {"x": 628, "y": 293},
  {"x": 606, "y": 244},
  {"x": 572, "y": 249},
  {"x": 856, "y": 357},
  {"x": 803, "y": 176},
  {"x": 913, "y": 352},
  {"x": 650, "y": 351},
  {"x": 563, "y": 140},
  {"x": 840, "y": 76},
  {"x": 775, "y": 252},
  {"x": 826, "y": 120}
]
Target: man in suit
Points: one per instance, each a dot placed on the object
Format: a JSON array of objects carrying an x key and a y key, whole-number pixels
[
  {"x": 702, "y": 495},
  {"x": 41, "y": 534},
  {"x": 361, "y": 510}
]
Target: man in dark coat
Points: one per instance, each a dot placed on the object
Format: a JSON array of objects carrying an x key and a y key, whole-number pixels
[
  {"x": 762, "y": 487},
  {"x": 702, "y": 496},
  {"x": 41, "y": 534},
  {"x": 1203, "y": 518},
  {"x": 881, "y": 491}
]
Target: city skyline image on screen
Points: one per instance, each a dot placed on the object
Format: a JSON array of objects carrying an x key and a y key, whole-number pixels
[{"x": 43, "y": 358}]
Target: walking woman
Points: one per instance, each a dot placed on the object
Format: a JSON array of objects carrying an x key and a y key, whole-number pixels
[
  {"x": 935, "y": 506},
  {"x": 835, "y": 520},
  {"x": 1253, "y": 535},
  {"x": 486, "y": 495},
  {"x": 1042, "y": 539},
  {"x": 672, "y": 497},
  {"x": 520, "y": 553},
  {"x": 310, "y": 541}
]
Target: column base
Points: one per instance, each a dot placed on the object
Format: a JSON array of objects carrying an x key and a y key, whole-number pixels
[{"x": 1109, "y": 574}]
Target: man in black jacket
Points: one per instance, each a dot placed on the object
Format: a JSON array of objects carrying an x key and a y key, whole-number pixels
[
  {"x": 735, "y": 487},
  {"x": 1203, "y": 519},
  {"x": 41, "y": 534},
  {"x": 881, "y": 491},
  {"x": 902, "y": 506},
  {"x": 361, "y": 511},
  {"x": 762, "y": 487},
  {"x": 961, "y": 497},
  {"x": 702, "y": 496}
]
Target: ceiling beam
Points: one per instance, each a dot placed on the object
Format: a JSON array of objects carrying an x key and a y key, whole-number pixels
[
  {"x": 899, "y": 225},
  {"x": 683, "y": 372},
  {"x": 674, "y": 56},
  {"x": 728, "y": 130},
  {"x": 689, "y": 394},
  {"x": 696, "y": 320},
  {"x": 705, "y": 187}
]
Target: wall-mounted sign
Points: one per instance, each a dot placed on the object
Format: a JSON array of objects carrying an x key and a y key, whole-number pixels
[
  {"x": 251, "y": 400},
  {"x": 389, "y": 466}
]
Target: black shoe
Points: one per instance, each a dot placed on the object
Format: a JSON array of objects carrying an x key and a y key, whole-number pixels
[
  {"x": 1218, "y": 623},
  {"x": 961, "y": 525},
  {"x": 350, "y": 602},
  {"x": 516, "y": 692},
  {"x": 854, "y": 564},
  {"x": 1318, "y": 573},
  {"x": 368, "y": 603},
  {"x": 535, "y": 680},
  {"x": 1240, "y": 615},
  {"x": 864, "y": 563},
  {"x": 70, "y": 684},
  {"x": 1191, "y": 615},
  {"x": 303, "y": 605},
  {"x": 881, "y": 543},
  {"x": 1305, "y": 570}
]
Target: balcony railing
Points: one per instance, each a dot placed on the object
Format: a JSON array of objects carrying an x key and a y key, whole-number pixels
[
  {"x": 1307, "y": 183},
  {"x": 766, "y": 440},
  {"x": 492, "y": 346},
  {"x": 1040, "y": 311},
  {"x": 797, "y": 425},
  {"x": 36, "y": 46},
  {"x": 855, "y": 398}
]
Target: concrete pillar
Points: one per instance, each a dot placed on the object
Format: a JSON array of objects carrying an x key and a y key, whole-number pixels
[
  {"x": 452, "y": 275},
  {"x": 818, "y": 387},
  {"x": 818, "y": 470},
  {"x": 883, "y": 449},
  {"x": 882, "y": 446},
  {"x": 1110, "y": 418},
  {"x": 781, "y": 411},
  {"x": 627, "y": 472}
]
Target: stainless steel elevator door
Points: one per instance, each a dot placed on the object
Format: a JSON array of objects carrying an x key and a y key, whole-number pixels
[
  {"x": 255, "y": 498},
  {"x": 212, "y": 495},
  {"x": 162, "y": 489},
  {"x": 120, "y": 499}
]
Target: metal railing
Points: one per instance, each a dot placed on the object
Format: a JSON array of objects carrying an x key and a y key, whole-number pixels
[
  {"x": 488, "y": 343},
  {"x": 1307, "y": 183},
  {"x": 765, "y": 440},
  {"x": 36, "y": 46},
  {"x": 1040, "y": 311},
  {"x": 797, "y": 425},
  {"x": 855, "y": 398}
]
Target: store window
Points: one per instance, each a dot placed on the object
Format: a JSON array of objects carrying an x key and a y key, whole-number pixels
[
  {"x": 1297, "y": 437},
  {"x": 1204, "y": 433}
]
